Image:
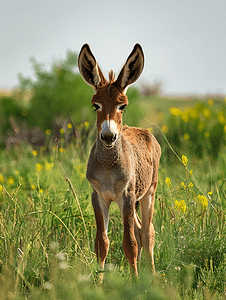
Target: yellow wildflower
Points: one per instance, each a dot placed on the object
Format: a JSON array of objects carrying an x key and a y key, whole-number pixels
[
  {"x": 191, "y": 172},
  {"x": 39, "y": 167},
  {"x": 175, "y": 111},
  {"x": 11, "y": 180},
  {"x": 69, "y": 126},
  {"x": 168, "y": 182},
  {"x": 41, "y": 191},
  {"x": 86, "y": 123},
  {"x": 206, "y": 113},
  {"x": 35, "y": 152},
  {"x": 184, "y": 116},
  {"x": 1, "y": 188},
  {"x": 1, "y": 178},
  {"x": 184, "y": 160},
  {"x": 210, "y": 193},
  {"x": 83, "y": 176},
  {"x": 186, "y": 136},
  {"x": 203, "y": 201},
  {"x": 210, "y": 101},
  {"x": 48, "y": 166},
  {"x": 221, "y": 117},
  {"x": 61, "y": 149},
  {"x": 183, "y": 186},
  {"x": 165, "y": 129},
  {"x": 33, "y": 186},
  {"x": 191, "y": 185},
  {"x": 180, "y": 206},
  {"x": 61, "y": 130},
  {"x": 48, "y": 131}
]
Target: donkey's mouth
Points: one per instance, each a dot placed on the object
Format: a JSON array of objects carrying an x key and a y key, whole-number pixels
[{"x": 108, "y": 146}]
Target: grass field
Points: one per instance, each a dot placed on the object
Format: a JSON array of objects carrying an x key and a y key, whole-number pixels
[{"x": 47, "y": 231}]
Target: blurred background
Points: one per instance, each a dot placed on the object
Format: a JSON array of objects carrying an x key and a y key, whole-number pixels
[
  {"x": 184, "y": 41},
  {"x": 184, "y": 44}
]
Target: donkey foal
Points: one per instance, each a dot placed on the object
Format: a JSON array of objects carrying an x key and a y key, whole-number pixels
[{"x": 123, "y": 162}]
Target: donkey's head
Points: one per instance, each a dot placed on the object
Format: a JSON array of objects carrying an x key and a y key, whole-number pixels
[{"x": 110, "y": 98}]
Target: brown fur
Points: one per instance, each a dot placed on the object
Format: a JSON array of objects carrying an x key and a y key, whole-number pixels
[
  {"x": 124, "y": 166},
  {"x": 111, "y": 77}
]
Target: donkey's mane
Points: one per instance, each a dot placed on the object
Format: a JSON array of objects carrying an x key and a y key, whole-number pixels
[{"x": 111, "y": 77}]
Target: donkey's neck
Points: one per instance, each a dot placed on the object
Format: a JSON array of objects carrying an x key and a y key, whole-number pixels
[{"x": 108, "y": 157}]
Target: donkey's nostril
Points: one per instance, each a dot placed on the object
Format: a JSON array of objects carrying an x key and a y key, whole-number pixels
[{"x": 114, "y": 137}]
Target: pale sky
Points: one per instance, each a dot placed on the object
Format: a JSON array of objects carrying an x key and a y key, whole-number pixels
[{"x": 184, "y": 42}]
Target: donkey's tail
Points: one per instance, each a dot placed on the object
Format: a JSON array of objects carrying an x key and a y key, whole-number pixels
[{"x": 136, "y": 208}]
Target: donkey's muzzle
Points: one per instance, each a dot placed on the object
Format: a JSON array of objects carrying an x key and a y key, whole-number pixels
[{"x": 108, "y": 138}]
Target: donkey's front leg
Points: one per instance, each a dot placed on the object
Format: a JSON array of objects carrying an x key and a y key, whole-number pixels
[
  {"x": 130, "y": 245},
  {"x": 101, "y": 209}
]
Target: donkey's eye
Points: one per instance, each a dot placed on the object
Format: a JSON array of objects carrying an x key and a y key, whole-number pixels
[
  {"x": 122, "y": 107},
  {"x": 96, "y": 106}
]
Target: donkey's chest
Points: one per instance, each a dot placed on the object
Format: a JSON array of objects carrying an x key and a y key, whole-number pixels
[{"x": 109, "y": 184}]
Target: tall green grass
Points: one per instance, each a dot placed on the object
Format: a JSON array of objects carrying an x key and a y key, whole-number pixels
[
  {"x": 199, "y": 129},
  {"x": 48, "y": 230}
]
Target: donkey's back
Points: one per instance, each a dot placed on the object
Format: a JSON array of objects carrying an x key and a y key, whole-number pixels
[{"x": 145, "y": 152}]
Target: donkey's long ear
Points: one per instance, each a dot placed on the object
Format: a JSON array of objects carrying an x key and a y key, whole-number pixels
[
  {"x": 89, "y": 68},
  {"x": 132, "y": 68}
]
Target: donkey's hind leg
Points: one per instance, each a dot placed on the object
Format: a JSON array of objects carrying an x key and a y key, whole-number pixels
[{"x": 147, "y": 229}]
